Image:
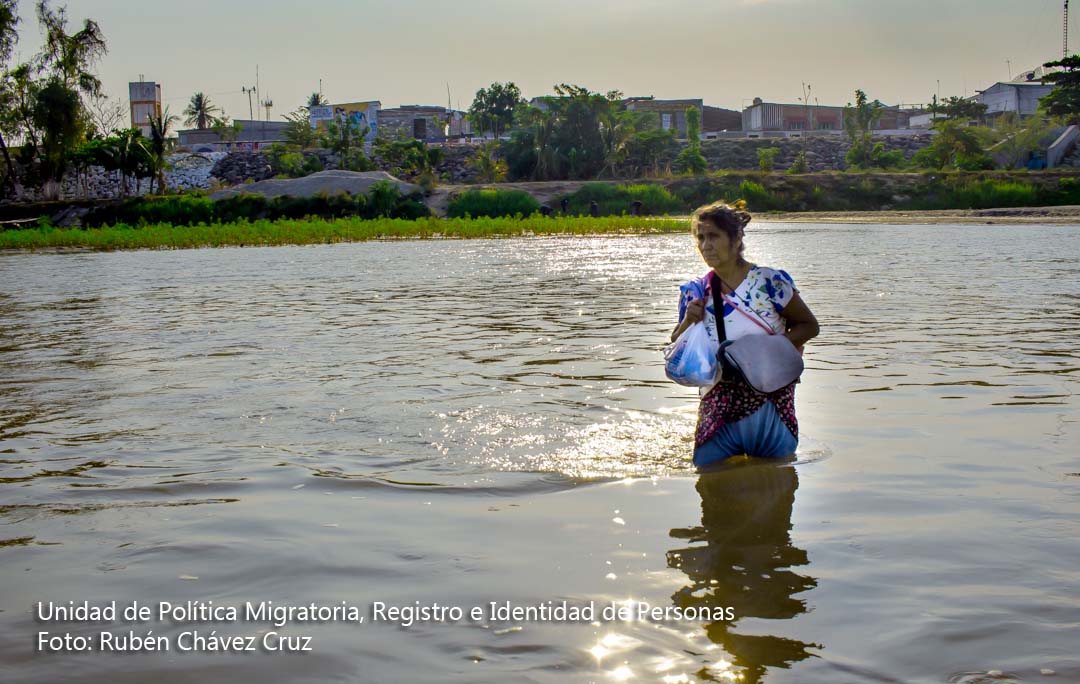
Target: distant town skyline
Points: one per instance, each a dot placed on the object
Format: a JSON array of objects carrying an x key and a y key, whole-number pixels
[{"x": 409, "y": 52}]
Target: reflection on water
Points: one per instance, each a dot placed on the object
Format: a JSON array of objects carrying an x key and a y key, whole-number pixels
[{"x": 742, "y": 556}]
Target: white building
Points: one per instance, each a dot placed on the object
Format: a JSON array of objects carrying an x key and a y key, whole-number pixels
[{"x": 1020, "y": 95}]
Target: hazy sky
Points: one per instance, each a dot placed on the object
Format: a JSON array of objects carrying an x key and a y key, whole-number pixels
[{"x": 407, "y": 52}]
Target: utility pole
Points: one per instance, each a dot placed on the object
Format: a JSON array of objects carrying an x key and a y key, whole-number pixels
[
  {"x": 1008, "y": 66},
  {"x": 251, "y": 110}
]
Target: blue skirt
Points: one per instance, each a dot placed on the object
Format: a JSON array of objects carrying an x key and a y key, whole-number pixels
[{"x": 762, "y": 433}]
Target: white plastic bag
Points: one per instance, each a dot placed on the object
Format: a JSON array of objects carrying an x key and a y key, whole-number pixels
[{"x": 692, "y": 359}]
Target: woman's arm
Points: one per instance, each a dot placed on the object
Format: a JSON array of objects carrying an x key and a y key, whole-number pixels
[
  {"x": 695, "y": 311},
  {"x": 801, "y": 324}
]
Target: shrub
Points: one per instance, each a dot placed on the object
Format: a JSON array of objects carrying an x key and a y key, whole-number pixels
[
  {"x": 757, "y": 197},
  {"x": 987, "y": 194},
  {"x": 614, "y": 200},
  {"x": 766, "y": 157},
  {"x": 800, "y": 164},
  {"x": 492, "y": 203},
  {"x": 382, "y": 200}
]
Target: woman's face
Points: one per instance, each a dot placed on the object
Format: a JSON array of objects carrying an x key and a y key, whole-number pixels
[{"x": 716, "y": 248}]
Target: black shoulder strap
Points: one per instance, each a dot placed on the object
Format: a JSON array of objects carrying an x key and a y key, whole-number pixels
[
  {"x": 726, "y": 373},
  {"x": 718, "y": 304}
]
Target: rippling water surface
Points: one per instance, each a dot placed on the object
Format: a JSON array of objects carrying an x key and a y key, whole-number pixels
[{"x": 472, "y": 421}]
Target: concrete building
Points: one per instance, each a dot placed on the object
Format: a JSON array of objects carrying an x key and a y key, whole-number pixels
[
  {"x": 145, "y": 101},
  {"x": 672, "y": 113},
  {"x": 254, "y": 135},
  {"x": 1020, "y": 95},
  {"x": 762, "y": 118},
  {"x": 924, "y": 120},
  {"x": 718, "y": 119},
  {"x": 357, "y": 113},
  {"x": 422, "y": 122}
]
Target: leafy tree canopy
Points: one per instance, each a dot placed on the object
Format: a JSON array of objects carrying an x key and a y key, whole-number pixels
[
  {"x": 200, "y": 112},
  {"x": 961, "y": 108},
  {"x": 493, "y": 107},
  {"x": 1064, "y": 99}
]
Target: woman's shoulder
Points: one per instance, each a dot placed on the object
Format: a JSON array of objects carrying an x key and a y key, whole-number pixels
[
  {"x": 770, "y": 277},
  {"x": 696, "y": 287},
  {"x": 767, "y": 272},
  {"x": 772, "y": 283}
]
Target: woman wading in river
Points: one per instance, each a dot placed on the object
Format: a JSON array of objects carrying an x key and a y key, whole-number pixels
[{"x": 733, "y": 418}]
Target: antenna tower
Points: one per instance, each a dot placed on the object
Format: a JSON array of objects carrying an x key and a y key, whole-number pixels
[{"x": 1065, "y": 32}]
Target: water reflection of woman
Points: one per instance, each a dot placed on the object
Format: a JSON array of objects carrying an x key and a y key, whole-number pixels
[
  {"x": 741, "y": 557},
  {"x": 733, "y": 418}
]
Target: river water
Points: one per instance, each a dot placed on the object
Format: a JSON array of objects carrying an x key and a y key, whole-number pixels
[{"x": 466, "y": 422}]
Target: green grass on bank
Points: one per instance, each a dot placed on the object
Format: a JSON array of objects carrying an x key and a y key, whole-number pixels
[{"x": 322, "y": 231}]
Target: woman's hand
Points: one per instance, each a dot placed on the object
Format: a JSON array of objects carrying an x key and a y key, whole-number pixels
[{"x": 695, "y": 312}]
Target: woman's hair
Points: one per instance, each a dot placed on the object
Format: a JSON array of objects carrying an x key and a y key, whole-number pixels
[{"x": 730, "y": 218}]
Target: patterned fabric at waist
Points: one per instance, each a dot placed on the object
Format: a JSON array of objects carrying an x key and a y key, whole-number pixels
[{"x": 730, "y": 402}]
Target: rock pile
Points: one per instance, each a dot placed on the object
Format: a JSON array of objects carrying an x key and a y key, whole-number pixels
[
  {"x": 237, "y": 167},
  {"x": 823, "y": 153},
  {"x": 323, "y": 182}
]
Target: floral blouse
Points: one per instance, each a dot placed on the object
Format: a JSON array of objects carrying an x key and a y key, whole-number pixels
[{"x": 762, "y": 295}]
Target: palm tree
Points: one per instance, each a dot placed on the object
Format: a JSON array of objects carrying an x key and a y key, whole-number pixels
[
  {"x": 544, "y": 125},
  {"x": 157, "y": 146},
  {"x": 316, "y": 99},
  {"x": 200, "y": 112},
  {"x": 8, "y": 37}
]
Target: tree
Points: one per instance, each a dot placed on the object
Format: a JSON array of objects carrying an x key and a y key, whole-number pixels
[
  {"x": 539, "y": 141},
  {"x": 962, "y": 108},
  {"x": 412, "y": 159},
  {"x": 800, "y": 165},
  {"x": 646, "y": 148},
  {"x": 766, "y": 157},
  {"x": 299, "y": 131},
  {"x": 859, "y": 120},
  {"x": 68, "y": 57},
  {"x": 1018, "y": 139},
  {"x": 489, "y": 168},
  {"x": 315, "y": 100},
  {"x": 346, "y": 139},
  {"x": 105, "y": 115},
  {"x": 227, "y": 131},
  {"x": 200, "y": 112},
  {"x": 157, "y": 147},
  {"x": 691, "y": 158},
  {"x": 8, "y": 38},
  {"x": 56, "y": 114},
  {"x": 493, "y": 107},
  {"x": 577, "y": 131},
  {"x": 1064, "y": 99},
  {"x": 55, "y": 119},
  {"x": 954, "y": 147}
]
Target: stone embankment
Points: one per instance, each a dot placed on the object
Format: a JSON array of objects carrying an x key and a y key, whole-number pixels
[
  {"x": 823, "y": 153},
  {"x": 185, "y": 172},
  {"x": 217, "y": 170}
]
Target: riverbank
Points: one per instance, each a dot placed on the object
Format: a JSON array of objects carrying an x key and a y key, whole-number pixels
[
  {"x": 328, "y": 231},
  {"x": 1063, "y": 215},
  {"x": 323, "y": 231}
]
